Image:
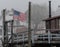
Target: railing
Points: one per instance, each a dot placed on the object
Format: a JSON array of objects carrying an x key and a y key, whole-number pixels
[
  {"x": 38, "y": 38},
  {"x": 41, "y": 37}
]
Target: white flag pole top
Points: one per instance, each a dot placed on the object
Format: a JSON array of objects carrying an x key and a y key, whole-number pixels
[{"x": 9, "y": 15}]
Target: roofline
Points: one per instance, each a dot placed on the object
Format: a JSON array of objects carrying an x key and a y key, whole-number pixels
[{"x": 55, "y": 17}]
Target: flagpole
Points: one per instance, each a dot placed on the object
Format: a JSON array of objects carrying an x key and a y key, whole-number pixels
[
  {"x": 29, "y": 26},
  {"x": 16, "y": 24}
]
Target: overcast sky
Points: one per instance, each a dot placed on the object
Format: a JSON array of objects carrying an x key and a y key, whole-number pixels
[{"x": 22, "y": 5}]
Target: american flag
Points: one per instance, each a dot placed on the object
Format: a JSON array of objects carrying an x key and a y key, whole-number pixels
[{"x": 19, "y": 15}]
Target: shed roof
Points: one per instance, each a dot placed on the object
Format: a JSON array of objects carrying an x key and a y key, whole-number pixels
[{"x": 55, "y": 17}]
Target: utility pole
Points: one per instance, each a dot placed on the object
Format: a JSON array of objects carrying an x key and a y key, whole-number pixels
[
  {"x": 49, "y": 9},
  {"x": 49, "y": 14},
  {"x": 49, "y": 22},
  {"x": 4, "y": 28},
  {"x": 12, "y": 33},
  {"x": 29, "y": 26}
]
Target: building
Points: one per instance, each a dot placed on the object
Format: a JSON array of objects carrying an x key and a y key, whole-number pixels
[{"x": 53, "y": 23}]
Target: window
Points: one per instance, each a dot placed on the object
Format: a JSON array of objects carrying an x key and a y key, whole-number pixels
[
  {"x": 47, "y": 24},
  {"x": 53, "y": 24},
  {"x": 0, "y": 31},
  {"x": 59, "y": 23}
]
